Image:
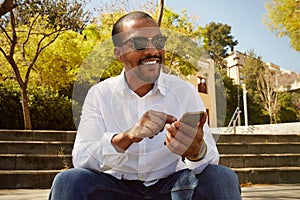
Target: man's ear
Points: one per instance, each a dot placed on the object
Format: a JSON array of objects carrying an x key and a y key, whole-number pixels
[{"x": 118, "y": 53}]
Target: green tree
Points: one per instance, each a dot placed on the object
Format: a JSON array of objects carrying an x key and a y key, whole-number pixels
[
  {"x": 217, "y": 41},
  {"x": 29, "y": 29},
  {"x": 283, "y": 19},
  {"x": 261, "y": 84}
]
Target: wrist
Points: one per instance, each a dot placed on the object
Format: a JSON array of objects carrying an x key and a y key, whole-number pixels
[
  {"x": 129, "y": 135},
  {"x": 201, "y": 154},
  {"x": 121, "y": 142}
]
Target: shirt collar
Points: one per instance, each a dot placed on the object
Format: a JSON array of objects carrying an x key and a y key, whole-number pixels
[{"x": 159, "y": 85}]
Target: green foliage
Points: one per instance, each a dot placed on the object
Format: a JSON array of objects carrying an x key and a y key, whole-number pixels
[
  {"x": 99, "y": 64},
  {"x": 31, "y": 28},
  {"x": 50, "y": 109},
  {"x": 57, "y": 14},
  {"x": 256, "y": 114},
  {"x": 183, "y": 49},
  {"x": 182, "y": 54},
  {"x": 58, "y": 65},
  {"x": 260, "y": 86},
  {"x": 10, "y": 106},
  {"x": 283, "y": 19},
  {"x": 180, "y": 23},
  {"x": 288, "y": 107},
  {"x": 225, "y": 110},
  {"x": 233, "y": 92},
  {"x": 217, "y": 41},
  {"x": 250, "y": 72}
]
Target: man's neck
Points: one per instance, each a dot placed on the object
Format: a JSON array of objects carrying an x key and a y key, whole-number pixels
[
  {"x": 144, "y": 89},
  {"x": 141, "y": 88}
]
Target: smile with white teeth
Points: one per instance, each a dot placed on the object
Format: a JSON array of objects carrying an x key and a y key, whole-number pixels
[{"x": 153, "y": 62}]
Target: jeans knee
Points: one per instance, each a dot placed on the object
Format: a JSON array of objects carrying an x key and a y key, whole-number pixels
[
  {"x": 228, "y": 183},
  {"x": 218, "y": 182},
  {"x": 229, "y": 176},
  {"x": 68, "y": 183},
  {"x": 60, "y": 178}
]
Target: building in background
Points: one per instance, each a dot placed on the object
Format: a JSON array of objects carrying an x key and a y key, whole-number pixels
[
  {"x": 204, "y": 81},
  {"x": 285, "y": 80}
]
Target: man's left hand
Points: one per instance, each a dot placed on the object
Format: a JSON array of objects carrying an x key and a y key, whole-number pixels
[{"x": 183, "y": 139}]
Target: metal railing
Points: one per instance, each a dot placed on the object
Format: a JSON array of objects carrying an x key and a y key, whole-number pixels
[{"x": 233, "y": 120}]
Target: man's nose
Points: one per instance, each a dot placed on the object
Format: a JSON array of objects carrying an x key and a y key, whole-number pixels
[{"x": 150, "y": 44}]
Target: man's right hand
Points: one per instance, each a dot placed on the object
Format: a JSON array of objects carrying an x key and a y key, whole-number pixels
[{"x": 150, "y": 124}]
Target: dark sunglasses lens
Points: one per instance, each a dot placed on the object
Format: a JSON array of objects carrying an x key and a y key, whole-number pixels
[
  {"x": 140, "y": 43},
  {"x": 159, "y": 42}
]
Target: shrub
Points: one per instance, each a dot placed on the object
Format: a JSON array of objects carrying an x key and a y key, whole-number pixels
[{"x": 48, "y": 108}]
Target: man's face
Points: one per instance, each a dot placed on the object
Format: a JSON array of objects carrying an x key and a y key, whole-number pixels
[{"x": 142, "y": 59}]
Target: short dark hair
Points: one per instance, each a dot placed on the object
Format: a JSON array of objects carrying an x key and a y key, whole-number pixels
[{"x": 117, "y": 27}]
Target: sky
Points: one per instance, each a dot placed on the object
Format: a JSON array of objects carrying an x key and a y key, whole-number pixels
[{"x": 245, "y": 19}]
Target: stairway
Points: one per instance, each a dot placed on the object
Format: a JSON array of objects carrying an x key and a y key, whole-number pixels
[
  {"x": 31, "y": 159},
  {"x": 262, "y": 158}
]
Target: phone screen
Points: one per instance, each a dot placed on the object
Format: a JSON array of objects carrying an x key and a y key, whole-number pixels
[{"x": 192, "y": 118}]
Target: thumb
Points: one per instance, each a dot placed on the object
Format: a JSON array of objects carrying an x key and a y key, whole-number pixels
[{"x": 170, "y": 119}]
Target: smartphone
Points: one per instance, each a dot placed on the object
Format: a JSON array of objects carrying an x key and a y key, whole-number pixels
[{"x": 192, "y": 118}]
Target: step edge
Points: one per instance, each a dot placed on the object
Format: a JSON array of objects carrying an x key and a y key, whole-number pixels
[
  {"x": 35, "y": 155},
  {"x": 20, "y": 172},
  {"x": 249, "y": 169},
  {"x": 260, "y": 155}
]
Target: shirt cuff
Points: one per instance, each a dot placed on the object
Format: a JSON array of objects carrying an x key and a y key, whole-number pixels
[{"x": 111, "y": 157}]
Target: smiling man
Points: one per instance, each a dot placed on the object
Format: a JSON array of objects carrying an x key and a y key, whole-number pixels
[
  {"x": 141, "y": 50},
  {"x": 132, "y": 142}
]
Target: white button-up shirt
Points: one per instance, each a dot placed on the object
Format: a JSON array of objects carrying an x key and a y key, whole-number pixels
[{"x": 111, "y": 107}]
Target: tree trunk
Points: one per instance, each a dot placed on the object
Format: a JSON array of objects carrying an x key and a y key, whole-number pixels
[
  {"x": 161, "y": 12},
  {"x": 25, "y": 107},
  {"x": 6, "y": 6}
]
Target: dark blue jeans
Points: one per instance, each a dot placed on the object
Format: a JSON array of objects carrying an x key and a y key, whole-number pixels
[{"x": 215, "y": 182}]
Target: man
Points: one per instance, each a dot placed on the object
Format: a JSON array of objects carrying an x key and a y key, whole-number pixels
[{"x": 131, "y": 143}]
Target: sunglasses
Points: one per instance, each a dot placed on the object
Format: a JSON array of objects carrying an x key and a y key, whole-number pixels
[{"x": 141, "y": 43}]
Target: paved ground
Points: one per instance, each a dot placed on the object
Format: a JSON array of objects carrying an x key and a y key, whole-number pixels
[
  {"x": 254, "y": 192},
  {"x": 275, "y": 192}
]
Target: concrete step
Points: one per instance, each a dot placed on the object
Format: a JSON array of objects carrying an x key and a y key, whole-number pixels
[
  {"x": 258, "y": 147},
  {"x": 44, "y": 161},
  {"x": 42, "y": 179},
  {"x": 250, "y": 138},
  {"x": 36, "y": 147},
  {"x": 34, "y": 162},
  {"x": 260, "y": 160},
  {"x": 39, "y": 155},
  {"x": 36, "y": 135},
  {"x": 268, "y": 175},
  {"x": 30, "y": 179}
]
